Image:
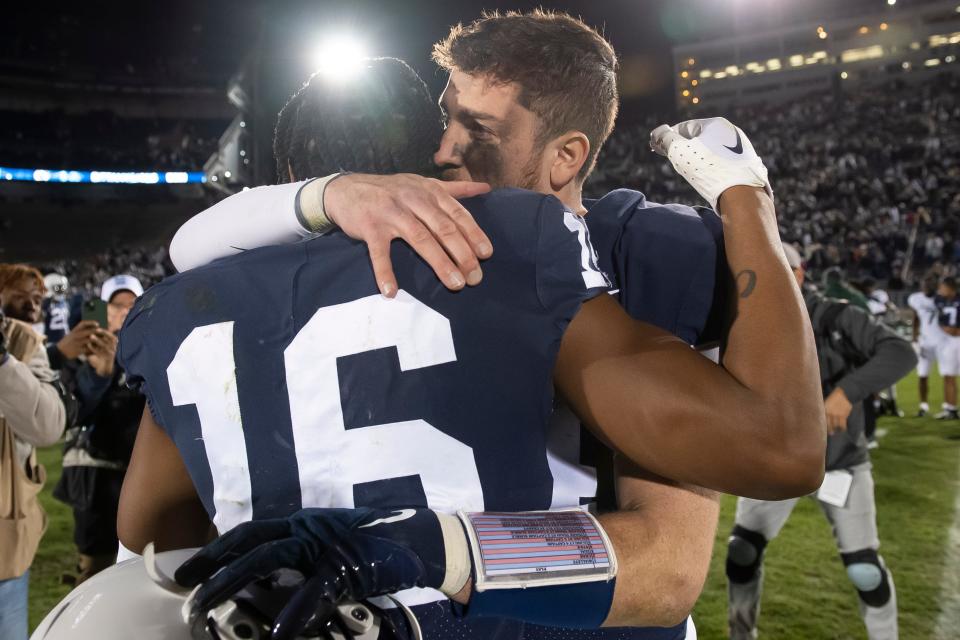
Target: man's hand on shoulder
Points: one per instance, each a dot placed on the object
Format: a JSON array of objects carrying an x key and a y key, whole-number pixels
[{"x": 421, "y": 211}]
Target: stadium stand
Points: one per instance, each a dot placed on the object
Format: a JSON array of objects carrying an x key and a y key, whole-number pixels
[{"x": 851, "y": 196}]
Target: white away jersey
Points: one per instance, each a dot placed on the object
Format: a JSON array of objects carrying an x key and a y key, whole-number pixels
[{"x": 927, "y": 312}]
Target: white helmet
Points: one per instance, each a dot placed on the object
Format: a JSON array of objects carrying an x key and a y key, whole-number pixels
[
  {"x": 138, "y": 599},
  {"x": 56, "y": 284}
]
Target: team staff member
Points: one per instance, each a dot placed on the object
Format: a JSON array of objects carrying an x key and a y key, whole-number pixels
[
  {"x": 98, "y": 451},
  {"x": 33, "y": 413},
  {"x": 858, "y": 356},
  {"x": 927, "y": 335}
]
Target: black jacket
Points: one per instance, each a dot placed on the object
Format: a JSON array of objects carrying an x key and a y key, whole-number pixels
[{"x": 862, "y": 356}]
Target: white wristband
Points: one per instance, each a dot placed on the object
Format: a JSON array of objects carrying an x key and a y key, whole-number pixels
[
  {"x": 311, "y": 211},
  {"x": 457, "y": 550}
]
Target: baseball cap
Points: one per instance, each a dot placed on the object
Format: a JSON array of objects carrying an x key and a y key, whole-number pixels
[
  {"x": 120, "y": 283},
  {"x": 793, "y": 256}
]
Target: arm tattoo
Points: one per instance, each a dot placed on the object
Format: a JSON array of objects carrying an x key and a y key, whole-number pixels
[{"x": 751, "y": 282}]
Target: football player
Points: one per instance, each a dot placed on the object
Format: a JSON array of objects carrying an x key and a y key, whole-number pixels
[
  {"x": 192, "y": 353},
  {"x": 927, "y": 334},
  {"x": 56, "y": 308},
  {"x": 948, "y": 355},
  {"x": 663, "y": 257}
]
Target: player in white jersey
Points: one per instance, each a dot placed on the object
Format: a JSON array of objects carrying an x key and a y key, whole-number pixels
[
  {"x": 927, "y": 334},
  {"x": 948, "y": 353}
]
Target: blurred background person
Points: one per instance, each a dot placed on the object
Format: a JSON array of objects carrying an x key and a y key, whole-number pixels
[
  {"x": 927, "y": 335},
  {"x": 948, "y": 358},
  {"x": 835, "y": 285},
  {"x": 98, "y": 450},
  {"x": 858, "y": 356},
  {"x": 58, "y": 314},
  {"x": 34, "y": 410}
]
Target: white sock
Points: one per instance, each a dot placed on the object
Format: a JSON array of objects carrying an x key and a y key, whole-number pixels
[
  {"x": 924, "y": 406},
  {"x": 949, "y": 407}
]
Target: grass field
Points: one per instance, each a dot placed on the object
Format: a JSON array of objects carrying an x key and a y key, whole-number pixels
[{"x": 807, "y": 595}]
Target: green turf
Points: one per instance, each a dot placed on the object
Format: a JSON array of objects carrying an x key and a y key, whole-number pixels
[
  {"x": 57, "y": 553},
  {"x": 806, "y": 592},
  {"x": 807, "y": 596}
]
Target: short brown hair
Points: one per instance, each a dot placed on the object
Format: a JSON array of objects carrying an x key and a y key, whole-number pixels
[
  {"x": 566, "y": 70},
  {"x": 10, "y": 274}
]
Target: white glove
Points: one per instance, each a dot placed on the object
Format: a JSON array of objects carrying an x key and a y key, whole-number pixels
[{"x": 712, "y": 155}]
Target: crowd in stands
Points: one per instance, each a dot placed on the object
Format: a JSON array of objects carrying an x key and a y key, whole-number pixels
[
  {"x": 148, "y": 265},
  {"x": 182, "y": 44},
  {"x": 870, "y": 199},
  {"x": 855, "y": 175},
  {"x": 103, "y": 140}
]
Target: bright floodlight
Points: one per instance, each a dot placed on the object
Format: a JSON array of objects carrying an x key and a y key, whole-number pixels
[
  {"x": 340, "y": 56},
  {"x": 891, "y": 2}
]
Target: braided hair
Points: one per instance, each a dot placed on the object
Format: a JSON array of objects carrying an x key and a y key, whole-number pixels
[{"x": 382, "y": 121}]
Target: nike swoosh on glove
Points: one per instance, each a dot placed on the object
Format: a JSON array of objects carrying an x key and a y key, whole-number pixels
[
  {"x": 712, "y": 155},
  {"x": 342, "y": 553}
]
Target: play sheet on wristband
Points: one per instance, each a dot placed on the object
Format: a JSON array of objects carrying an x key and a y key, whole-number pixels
[{"x": 538, "y": 548}]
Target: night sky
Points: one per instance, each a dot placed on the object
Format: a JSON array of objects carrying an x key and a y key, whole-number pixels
[{"x": 221, "y": 33}]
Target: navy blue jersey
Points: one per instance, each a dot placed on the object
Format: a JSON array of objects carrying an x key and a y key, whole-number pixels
[
  {"x": 56, "y": 319},
  {"x": 948, "y": 311},
  {"x": 287, "y": 381},
  {"x": 667, "y": 260},
  {"x": 666, "y": 263}
]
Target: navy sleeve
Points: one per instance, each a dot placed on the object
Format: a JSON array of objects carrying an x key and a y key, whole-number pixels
[
  {"x": 133, "y": 350},
  {"x": 669, "y": 260},
  {"x": 566, "y": 264}
]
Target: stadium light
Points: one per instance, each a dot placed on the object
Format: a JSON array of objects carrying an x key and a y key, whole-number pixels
[
  {"x": 883, "y": 26},
  {"x": 891, "y": 2},
  {"x": 339, "y": 57}
]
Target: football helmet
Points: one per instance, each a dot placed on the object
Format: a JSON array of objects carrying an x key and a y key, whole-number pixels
[
  {"x": 56, "y": 284},
  {"x": 138, "y": 598}
]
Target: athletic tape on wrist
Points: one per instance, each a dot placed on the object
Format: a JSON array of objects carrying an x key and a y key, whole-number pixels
[
  {"x": 311, "y": 211},
  {"x": 538, "y": 548},
  {"x": 457, "y": 551}
]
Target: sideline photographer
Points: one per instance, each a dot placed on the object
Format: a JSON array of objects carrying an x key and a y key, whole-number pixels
[
  {"x": 98, "y": 450},
  {"x": 34, "y": 410}
]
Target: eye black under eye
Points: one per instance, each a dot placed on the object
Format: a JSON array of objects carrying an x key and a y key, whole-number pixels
[{"x": 479, "y": 129}]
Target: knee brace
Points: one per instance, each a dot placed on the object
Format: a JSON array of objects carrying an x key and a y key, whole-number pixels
[
  {"x": 744, "y": 554},
  {"x": 869, "y": 576}
]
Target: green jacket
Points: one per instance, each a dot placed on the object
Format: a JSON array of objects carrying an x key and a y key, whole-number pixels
[{"x": 840, "y": 291}]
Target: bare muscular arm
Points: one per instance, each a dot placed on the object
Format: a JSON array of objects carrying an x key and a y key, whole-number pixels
[
  {"x": 753, "y": 427},
  {"x": 159, "y": 503},
  {"x": 663, "y": 536}
]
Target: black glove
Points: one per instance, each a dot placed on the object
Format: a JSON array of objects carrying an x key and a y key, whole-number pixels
[{"x": 343, "y": 553}]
